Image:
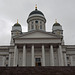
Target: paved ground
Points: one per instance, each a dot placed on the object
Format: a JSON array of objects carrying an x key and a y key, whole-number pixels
[{"x": 37, "y": 70}]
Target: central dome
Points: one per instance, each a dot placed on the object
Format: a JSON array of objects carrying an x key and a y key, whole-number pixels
[
  {"x": 36, "y": 12},
  {"x": 36, "y": 20}
]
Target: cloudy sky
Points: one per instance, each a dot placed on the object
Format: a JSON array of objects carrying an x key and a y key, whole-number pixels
[{"x": 62, "y": 10}]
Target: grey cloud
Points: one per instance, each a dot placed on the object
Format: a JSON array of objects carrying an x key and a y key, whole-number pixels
[{"x": 62, "y": 10}]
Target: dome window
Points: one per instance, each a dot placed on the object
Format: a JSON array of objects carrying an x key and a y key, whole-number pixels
[
  {"x": 40, "y": 26},
  {"x": 32, "y": 22},
  {"x": 32, "y": 27},
  {"x": 7, "y": 58},
  {"x": 36, "y": 21},
  {"x": 40, "y": 22}
]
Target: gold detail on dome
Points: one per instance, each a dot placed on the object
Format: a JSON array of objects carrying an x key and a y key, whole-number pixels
[
  {"x": 17, "y": 21},
  {"x": 55, "y": 20},
  {"x": 36, "y": 6}
]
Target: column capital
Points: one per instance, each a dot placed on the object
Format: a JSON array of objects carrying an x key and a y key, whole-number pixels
[{"x": 51, "y": 45}]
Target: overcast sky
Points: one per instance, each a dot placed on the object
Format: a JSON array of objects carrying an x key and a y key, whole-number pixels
[{"x": 62, "y": 10}]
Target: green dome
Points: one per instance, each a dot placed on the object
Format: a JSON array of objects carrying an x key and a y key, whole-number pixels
[
  {"x": 17, "y": 24},
  {"x": 36, "y": 12},
  {"x": 56, "y": 24}
]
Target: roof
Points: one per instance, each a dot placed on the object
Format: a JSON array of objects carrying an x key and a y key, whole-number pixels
[
  {"x": 36, "y": 12},
  {"x": 37, "y": 70},
  {"x": 35, "y": 31},
  {"x": 56, "y": 24},
  {"x": 17, "y": 24}
]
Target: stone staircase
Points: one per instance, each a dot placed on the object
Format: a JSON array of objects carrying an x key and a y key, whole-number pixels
[{"x": 37, "y": 70}]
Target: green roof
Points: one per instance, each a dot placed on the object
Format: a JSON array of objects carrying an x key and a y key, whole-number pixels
[
  {"x": 36, "y": 12},
  {"x": 17, "y": 24},
  {"x": 56, "y": 24}
]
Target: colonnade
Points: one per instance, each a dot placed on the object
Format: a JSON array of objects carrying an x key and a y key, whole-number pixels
[{"x": 60, "y": 56}]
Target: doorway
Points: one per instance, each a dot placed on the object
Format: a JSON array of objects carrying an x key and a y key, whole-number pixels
[{"x": 37, "y": 61}]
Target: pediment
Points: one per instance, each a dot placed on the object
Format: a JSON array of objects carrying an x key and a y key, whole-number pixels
[{"x": 37, "y": 34}]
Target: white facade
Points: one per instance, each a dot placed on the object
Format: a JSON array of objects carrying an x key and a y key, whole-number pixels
[{"x": 37, "y": 47}]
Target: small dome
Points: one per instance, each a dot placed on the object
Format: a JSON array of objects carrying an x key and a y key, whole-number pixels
[
  {"x": 17, "y": 27},
  {"x": 56, "y": 24},
  {"x": 17, "y": 24},
  {"x": 36, "y": 12}
]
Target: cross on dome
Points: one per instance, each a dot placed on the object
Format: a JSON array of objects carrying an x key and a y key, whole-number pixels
[{"x": 36, "y": 6}]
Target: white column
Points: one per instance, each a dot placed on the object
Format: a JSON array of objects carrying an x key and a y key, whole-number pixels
[
  {"x": 71, "y": 59},
  {"x": 43, "y": 56},
  {"x": 32, "y": 51},
  {"x": 9, "y": 59},
  {"x": 15, "y": 55},
  {"x": 65, "y": 60},
  {"x": 24, "y": 55},
  {"x": 60, "y": 56},
  {"x": 3, "y": 64},
  {"x": 51, "y": 56},
  {"x": 17, "y": 62}
]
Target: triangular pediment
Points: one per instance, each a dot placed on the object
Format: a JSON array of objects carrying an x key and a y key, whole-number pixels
[{"x": 38, "y": 34}]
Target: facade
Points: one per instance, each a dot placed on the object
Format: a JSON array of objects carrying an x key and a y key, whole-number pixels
[{"x": 37, "y": 47}]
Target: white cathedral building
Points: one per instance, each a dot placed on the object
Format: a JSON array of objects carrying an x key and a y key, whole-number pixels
[{"x": 37, "y": 47}]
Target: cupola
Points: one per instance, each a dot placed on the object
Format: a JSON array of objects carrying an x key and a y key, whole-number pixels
[
  {"x": 16, "y": 29},
  {"x": 57, "y": 28},
  {"x": 36, "y": 20}
]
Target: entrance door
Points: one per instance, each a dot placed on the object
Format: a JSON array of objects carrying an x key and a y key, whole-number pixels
[{"x": 37, "y": 61}]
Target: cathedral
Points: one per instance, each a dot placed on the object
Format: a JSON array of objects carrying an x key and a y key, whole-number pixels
[{"x": 37, "y": 47}]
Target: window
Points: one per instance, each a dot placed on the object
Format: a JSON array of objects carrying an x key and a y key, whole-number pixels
[
  {"x": 40, "y": 26},
  {"x": 32, "y": 27},
  {"x": 7, "y": 58},
  {"x": 40, "y": 22},
  {"x": 67, "y": 58},
  {"x": 68, "y": 64},
  {"x": 36, "y": 21},
  {"x": 32, "y": 22},
  {"x": 38, "y": 61}
]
